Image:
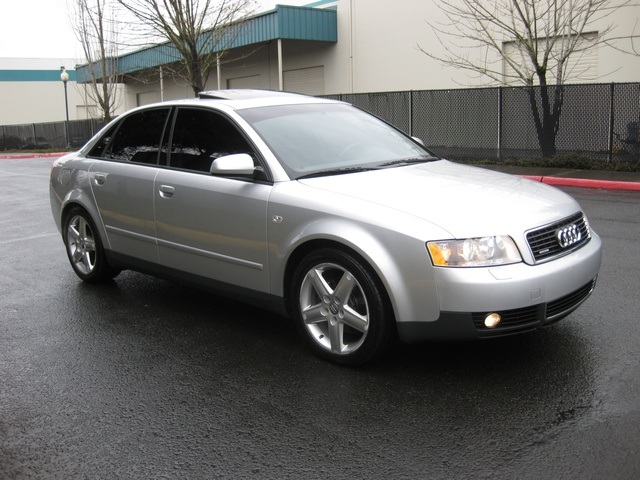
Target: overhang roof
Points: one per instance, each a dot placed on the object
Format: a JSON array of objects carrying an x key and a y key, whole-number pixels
[{"x": 283, "y": 22}]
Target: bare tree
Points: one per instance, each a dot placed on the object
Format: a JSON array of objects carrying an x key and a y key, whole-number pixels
[
  {"x": 633, "y": 40},
  {"x": 199, "y": 30},
  {"x": 95, "y": 27},
  {"x": 526, "y": 42}
]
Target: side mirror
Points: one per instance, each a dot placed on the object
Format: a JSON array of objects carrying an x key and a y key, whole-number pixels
[
  {"x": 236, "y": 164},
  {"x": 418, "y": 140}
]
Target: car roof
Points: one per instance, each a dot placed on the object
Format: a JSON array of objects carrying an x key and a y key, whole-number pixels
[
  {"x": 238, "y": 99},
  {"x": 246, "y": 93}
]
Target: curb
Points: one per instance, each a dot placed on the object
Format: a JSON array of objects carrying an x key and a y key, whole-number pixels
[
  {"x": 25, "y": 156},
  {"x": 585, "y": 183}
]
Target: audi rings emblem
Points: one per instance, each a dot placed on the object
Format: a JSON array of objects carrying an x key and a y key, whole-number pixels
[{"x": 569, "y": 235}]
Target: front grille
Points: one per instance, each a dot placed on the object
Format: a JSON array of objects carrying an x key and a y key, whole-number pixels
[
  {"x": 565, "y": 305},
  {"x": 545, "y": 244}
]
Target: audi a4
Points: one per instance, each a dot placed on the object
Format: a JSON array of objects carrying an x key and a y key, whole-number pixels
[{"x": 323, "y": 213}]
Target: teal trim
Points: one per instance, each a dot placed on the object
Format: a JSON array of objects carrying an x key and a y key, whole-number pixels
[
  {"x": 34, "y": 75},
  {"x": 319, "y": 3},
  {"x": 283, "y": 22}
]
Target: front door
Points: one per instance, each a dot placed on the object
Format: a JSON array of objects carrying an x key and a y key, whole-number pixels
[{"x": 213, "y": 227}]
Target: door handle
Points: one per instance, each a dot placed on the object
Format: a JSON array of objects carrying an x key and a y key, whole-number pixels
[
  {"x": 166, "y": 191},
  {"x": 100, "y": 178}
]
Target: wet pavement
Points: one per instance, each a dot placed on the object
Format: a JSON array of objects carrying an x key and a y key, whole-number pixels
[{"x": 143, "y": 378}]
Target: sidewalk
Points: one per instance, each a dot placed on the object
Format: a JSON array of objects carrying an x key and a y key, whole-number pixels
[
  {"x": 552, "y": 176},
  {"x": 575, "y": 178}
]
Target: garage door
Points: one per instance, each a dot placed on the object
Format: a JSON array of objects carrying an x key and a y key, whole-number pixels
[
  {"x": 309, "y": 81},
  {"x": 252, "y": 81},
  {"x": 146, "y": 98}
]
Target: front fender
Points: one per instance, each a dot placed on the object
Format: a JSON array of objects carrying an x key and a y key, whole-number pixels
[{"x": 401, "y": 262}]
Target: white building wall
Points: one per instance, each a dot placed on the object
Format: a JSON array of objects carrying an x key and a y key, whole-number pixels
[
  {"x": 378, "y": 49},
  {"x": 22, "y": 103},
  {"x": 384, "y": 38},
  {"x": 37, "y": 94},
  {"x": 613, "y": 64},
  {"x": 29, "y": 99}
]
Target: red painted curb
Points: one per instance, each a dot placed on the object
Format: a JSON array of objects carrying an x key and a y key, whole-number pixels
[
  {"x": 586, "y": 183},
  {"x": 24, "y": 156}
]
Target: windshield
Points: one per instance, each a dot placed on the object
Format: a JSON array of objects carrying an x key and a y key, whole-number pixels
[{"x": 316, "y": 139}]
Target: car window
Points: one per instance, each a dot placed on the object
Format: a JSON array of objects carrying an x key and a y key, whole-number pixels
[
  {"x": 101, "y": 145},
  {"x": 138, "y": 137},
  {"x": 200, "y": 136},
  {"x": 315, "y": 137}
]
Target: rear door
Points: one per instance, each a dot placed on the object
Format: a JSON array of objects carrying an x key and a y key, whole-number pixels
[
  {"x": 122, "y": 182},
  {"x": 213, "y": 227}
]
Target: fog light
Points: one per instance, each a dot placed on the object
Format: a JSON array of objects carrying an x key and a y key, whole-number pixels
[{"x": 492, "y": 320}]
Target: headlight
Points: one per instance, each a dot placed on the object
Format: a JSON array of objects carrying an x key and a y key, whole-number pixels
[{"x": 474, "y": 252}]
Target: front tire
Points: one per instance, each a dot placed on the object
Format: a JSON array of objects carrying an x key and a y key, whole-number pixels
[
  {"x": 84, "y": 248},
  {"x": 340, "y": 307}
]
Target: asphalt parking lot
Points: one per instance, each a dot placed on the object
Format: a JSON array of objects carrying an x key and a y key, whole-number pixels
[{"x": 143, "y": 378}]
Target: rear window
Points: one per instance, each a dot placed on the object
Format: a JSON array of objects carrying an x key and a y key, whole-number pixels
[{"x": 136, "y": 138}]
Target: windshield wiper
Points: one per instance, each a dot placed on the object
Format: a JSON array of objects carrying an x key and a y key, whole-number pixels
[
  {"x": 337, "y": 171},
  {"x": 409, "y": 161},
  {"x": 394, "y": 163}
]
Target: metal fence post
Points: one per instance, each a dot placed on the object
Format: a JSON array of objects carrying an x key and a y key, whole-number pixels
[
  {"x": 611, "y": 120},
  {"x": 499, "y": 123},
  {"x": 411, "y": 113}
]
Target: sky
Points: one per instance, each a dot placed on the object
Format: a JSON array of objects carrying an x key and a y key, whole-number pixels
[
  {"x": 36, "y": 29},
  {"x": 42, "y": 29}
]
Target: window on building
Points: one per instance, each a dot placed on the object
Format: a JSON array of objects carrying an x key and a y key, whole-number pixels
[{"x": 582, "y": 65}]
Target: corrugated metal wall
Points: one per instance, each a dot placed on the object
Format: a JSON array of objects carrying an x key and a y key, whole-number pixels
[{"x": 284, "y": 22}]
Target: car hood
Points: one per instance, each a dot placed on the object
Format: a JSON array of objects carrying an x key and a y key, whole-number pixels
[{"x": 466, "y": 201}]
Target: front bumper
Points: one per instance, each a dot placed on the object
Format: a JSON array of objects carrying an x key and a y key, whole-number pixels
[
  {"x": 470, "y": 326},
  {"x": 526, "y": 296}
]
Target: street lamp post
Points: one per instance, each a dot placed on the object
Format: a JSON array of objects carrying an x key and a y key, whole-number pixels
[{"x": 64, "y": 76}]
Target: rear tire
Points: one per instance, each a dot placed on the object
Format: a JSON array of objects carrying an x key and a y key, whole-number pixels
[
  {"x": 340, "y": 307},
  {"x": 84, "y": 248}
]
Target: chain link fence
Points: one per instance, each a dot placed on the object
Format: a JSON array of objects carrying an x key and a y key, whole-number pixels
[
  {"x": 36, "y": 136},
  {"x": 597, "y": 121}
]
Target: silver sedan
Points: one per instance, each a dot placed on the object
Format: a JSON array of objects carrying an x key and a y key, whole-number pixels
[{"x": 324, "y": 213}]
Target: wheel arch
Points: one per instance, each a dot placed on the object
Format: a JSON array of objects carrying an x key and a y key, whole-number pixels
[
  {"x": 85, "y": 247},
  {"x": 305, "y": 248},
  {"x": 78, "y": 199},
  {"x": 399, "y": 261}
]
